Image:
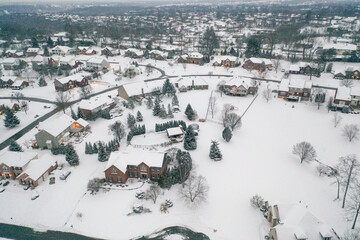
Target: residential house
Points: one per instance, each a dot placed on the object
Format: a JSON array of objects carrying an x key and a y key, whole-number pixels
[
  {"x": 297, "y": 222},
  {"x": 226, "y": 61},
  {"x": 77, "y": 80},
  {"x": 355, "y": 97},
  {"x": 260, "y": 64},
  {"x": 294, "y": 69},
  {"x": 185, "y": 84},
  {"x": 139, "y": 89},
  {"x": 12, "y": 164},
  {"x": 195, "y": 57},
  {"x": 309, "y": 69},
  {"x": 62, "y": 50},
  {"x": 140, "y": 164},
  {"x": 37, "y": 171},
  {"x": 158, "y": 55},
  {"x": 352, "y": 73},
  {"x": 97, "y": 63},
  {"x": 10, "y": 63},
  {"x": 109, "y": 51},
  {"x": 342, "y": 97},
  {"x": 240, "y": 87},
  {"x": 56, "y": 131},
  {"x": 32, "y": 52},
  {"x": 19, "y": 84},
  {"x": 295, "y": 89},
  {"x": 7, "y": 81},
  {"x": 182, "y": 59},
  {"x": 90, "y": 108},
  {"x": 134, "y": 53}
]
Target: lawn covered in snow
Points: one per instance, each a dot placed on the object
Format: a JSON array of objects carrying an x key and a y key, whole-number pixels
[{"x": 257, "y": 160}]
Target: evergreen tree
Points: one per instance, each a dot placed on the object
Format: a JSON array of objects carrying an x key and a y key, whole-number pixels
[
  {"x": 105, "y": 114},
  {"x": 162, "y": 113},
  {"x": 102, "y": 155},
  {"x": 139, "y": 117},
  {"x": 129, "y": 136},
  {"x": 86, "y": 148},
  {"x": 253, "y": 47},
  {"x": 157, "y": 108},
  {"x": 71, "y": 156},
  {"x": 170, "y": 113},
  {"x": 131, "y": 104},
  {"x": 11, "y": 119},
  {"x": 42, "y": 82},
  {"x": 73, "y": 115},
  {"x": 14, "y": 146},
  {"x": 168, "y": 88},
  {"x": 189, "y": 139},
  {"x": 95, "y": 149},
  {"x": 210, "y": 41},
  {"x": 215, "y": 152},
  {"x": 80, "y": 113},
  {"x": 50, "y": 42},
  {"x": 131, "y": 121},
  {"x": 175, "y": 101},
  {"x": 189, "y": 112},
  {"x": 227, "y": 134},
  {"x": 149, "y": 103}
]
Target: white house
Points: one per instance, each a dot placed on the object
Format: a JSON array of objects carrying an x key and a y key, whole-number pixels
[{"x": 97, "y": 63}]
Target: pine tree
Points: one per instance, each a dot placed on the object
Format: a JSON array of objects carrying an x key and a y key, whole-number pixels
[
  {"x": 157, "y": 108},
  {"x": 90, "y": 149},
  {"x": 131, "y": 121},
  {"x": 162, "y": 113},
  {"x": 42, "y": 82},
  {"x": 227, "y": 134},
  {"x": 139, "y": 116},
  {"x": 189, "y": 139},
  {"x": 10, "y": 120},
  {"x": 95, "y": 148},
  {"x": 71, "y": 156},
  {"x": 170, "y": 113},
  {"x": 189, "y": 112},
  {"x": 131, "y": 104},
  {"x": 87, "y": 148},
  {"x": 129, "y": 136},
  {"x": 80, "y": 113},
  {"x": 149, "y": 103},
  {"x": 102, "y": 155},
  {"x": 215, "y": 152},
  {"x": 168, "y": 88},
  {"x": 14, "y": 146},
  {"x": 73, "y": 115},
  {"x": 175, "y": 101}
]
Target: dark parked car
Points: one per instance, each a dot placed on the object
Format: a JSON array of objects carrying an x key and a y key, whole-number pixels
[{"x": 6, "y": 183}]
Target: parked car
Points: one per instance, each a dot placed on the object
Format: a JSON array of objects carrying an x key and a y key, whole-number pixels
[
  {"x": 65, "y": 175},
  {"x": 6, "y": 183},
  {"x": 2, "y": 190},
  {"x": 137, "y": 208},
  {"x": 52, "y": 180},
  {"x": 34, "y": 195},
  {"x": 140, "y": 195},
  {"x": 168, "y": 203},
  {"x": 26, "y": 187}
]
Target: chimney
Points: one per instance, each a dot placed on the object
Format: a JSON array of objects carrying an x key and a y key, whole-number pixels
[{"x": 142, "y": 92}]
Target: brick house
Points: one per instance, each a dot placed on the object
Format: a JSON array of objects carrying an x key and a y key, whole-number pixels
[
  {"x": 240, "y": 87},
  {"x": 158, "y": 55},
  {"x": 19, "y": 84},
  {"x": 186, "y": 84},
  {"x": 6, "y": 81},
  {"x": 342, "y": 97},
  {"x": 195, "y": 57},
  {"x": 258, "y": 64},
  {"x": 226, "y": 61},
  {"x": 12, "y": 164},
  {"x": 295, "y": 89},
  {"x": 134, "y": 53},
  {"x": 91, "y": 107},
  {"x": 72, "y": 81},
  {"x": 37, "y": 171},
  {"x": 140, "y": 164}
]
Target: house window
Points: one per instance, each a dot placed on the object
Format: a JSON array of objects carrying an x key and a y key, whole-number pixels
[
  {"x": 5, "y": 168},
  {"x": 119, "y": 179},
  {"x": 113, "y": 171},
  {"x": 153, "y": 175},
  {"x": 110, "y": 179},
  {"x": 131, "y": 174},
  {"x": 143, "y": 168},
  {"x": 135, "y": 174}
]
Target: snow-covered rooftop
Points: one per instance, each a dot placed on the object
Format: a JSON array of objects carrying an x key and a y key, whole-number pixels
[
  {"x": 16, "y": 159},
  {"x": 174, "y": 131},
  {"x": 38, "y": 167},
  {"x": 55, "y": 126},
  {"x": 343, "y": 93}
]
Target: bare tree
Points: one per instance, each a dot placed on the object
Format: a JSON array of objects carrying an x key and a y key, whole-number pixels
[
  {"x": 318, "y": 97},
  {"x": 153, "y": 192},
  {"x": 94, "y": 185},
  {"x": 212, "y": 105},
  {"x": 354, "y": 205},
  {"x": 257, "y": 201},
  {"x": 62, "y": 100},
  {"x": 352, "y": 235},
  {"x": 118, "y": 130},
  {"x": 231, "y": 120},
  {"x": 18, "y": 96},
  {"x": 267, "y": 94},
  {"x": 24, "y": 106},
  {"x": 277, "y": 64},
  {"x": 305, "y": 151},
  {"x": 348, "y": 167},
  {"x": 351, "y": 132},
  {"x": 336, "y": 174},
  {"x": 85, "y": 91},
  {"x": 195, "y": 190},
  {"x": 347, "y": 83},
  {"x": 336, "y": 119}
]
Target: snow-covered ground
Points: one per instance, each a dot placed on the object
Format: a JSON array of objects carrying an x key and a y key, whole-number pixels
[
  {"x": 35, "y": 109},
  {"x": 257, "y": 160}
]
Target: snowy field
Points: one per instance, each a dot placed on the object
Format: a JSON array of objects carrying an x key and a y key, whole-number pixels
[
  {"x": 35, "y": 109},
  {"x": 257, "y": 160}
]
